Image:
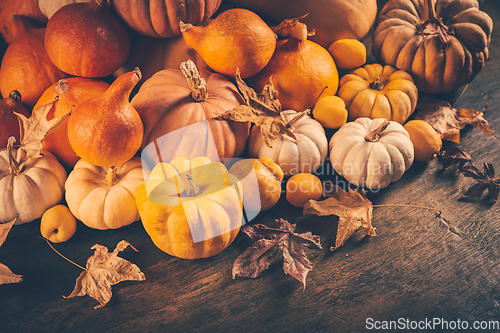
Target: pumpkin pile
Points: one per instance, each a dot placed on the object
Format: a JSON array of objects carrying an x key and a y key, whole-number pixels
[{"x": 190, "y": 116}]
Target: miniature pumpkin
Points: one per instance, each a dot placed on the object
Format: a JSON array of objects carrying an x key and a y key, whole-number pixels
[
  {"x": 173, "y": 99},
  {"x": 26, "y": 8},
  {"x": 87, "y": 40},
  {"x": 104, "y": 197},
  {"x": 371, "y": 153},
  {"x": 377, "y": 91},
  {"x": 26, "y": 67},
  {"x": 191, "y": 209},
  {"x": 9, "y": 125},
  {"x": 443, "y": 44},
  {"x": 331, "y": 19},
  {"x": 306, "y": 154},
  {"x": 49, "y": 7},
  {"x": 160, "y": 18},
  {"x": 70, "y": 92},
  {"x": 426, "y": 141}
]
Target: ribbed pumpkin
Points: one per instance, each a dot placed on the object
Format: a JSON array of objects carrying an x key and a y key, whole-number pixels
[
  {"x": 160, "y": 18},
  {"x": 168, "y": 102},
  {"x": 49, "y": 7},
  {"x": 377, "y": 91},
  {"x": 443, "y": 44},
  {"x": 70, "y": 93}
]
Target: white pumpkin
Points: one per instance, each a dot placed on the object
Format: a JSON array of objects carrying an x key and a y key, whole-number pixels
[
  {"x": 49, "y": 7},
  {"x": 371, "y": 153},
  {"x": 104, "y": 197},
  {"x": 28, "y": 190},
  {"x": 306, "y": 154}
]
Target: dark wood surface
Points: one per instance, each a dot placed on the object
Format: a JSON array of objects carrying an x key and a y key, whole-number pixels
[{"x": 421, "y": 266}]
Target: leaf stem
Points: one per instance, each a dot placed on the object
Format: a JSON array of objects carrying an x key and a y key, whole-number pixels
[
  {"x": 64, "y": 256},
  {"x": 402, "y": 205}
]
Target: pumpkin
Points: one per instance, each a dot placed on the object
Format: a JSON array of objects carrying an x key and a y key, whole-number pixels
[
  {"x": 371, "y": 153},
  {"x": 191, "y": 208},
  {"x": 331, "y": 19},
  {"x": 443, "y": 44},
  {"x": 70, "y": 92},
  {"x": 29, "y": 188},
  {"x": 87, "y": 40},
  {"x": 9, "y": 125},
  {"x": 26, "y": 8},
  {"x": 168, "y": 103},
  {"x": 377, "y": 91},
  {"x": 303, "y": 155},
  {"x": 26, "y": 67},
  {"x": 426, "y": 141},
  {"x": 49, "y": 7},
  {"x": 104, "y": 197}
]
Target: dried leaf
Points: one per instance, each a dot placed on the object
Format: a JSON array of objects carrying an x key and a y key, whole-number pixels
[
  {"x": 448, "y": 121},
  {"x": 454, "y": 155},
  {"x": 269, "y": 242},
  {"x": 103, "y": 270},
  {"x": 6, "y": 275},
  {"x": 264, "y": 110},
  {"x": 35, "y": 128},
  {"x": 485, "y": 181},
  {"x": 353, "y": 209}
]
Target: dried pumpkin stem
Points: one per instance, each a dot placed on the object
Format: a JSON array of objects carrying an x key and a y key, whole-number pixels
[
  {"x": 15, "y": 166},
  {"x": 196, "y": 83},
  {"x": 374, "y": 136},
  {"x": 111, "y": 179},
  {"x": 295, "y": 119},
  {"x": 62, "y": 87},
  {"x": 192, "y": 189},
  {"x": 377, "y": 84},
  {"x": 14, "y": 96},
  {"x": 74, "y": 263},
  {"x": 299, "y": 32},
  {"x": 429, "y": 11}
]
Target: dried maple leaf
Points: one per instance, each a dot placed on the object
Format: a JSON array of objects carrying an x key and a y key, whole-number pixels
[
  {"x": 6, "y": 275},
  {"x": 271, "y": 241},
  {"x": 448, "y": 121},
  {"x": 353, "y": 209},
  {"x": 454, "y": 155},
  {"x": 264, "y": 110},
  {"x": 103, "y": 270},
  {"x": 485, "y": 180}
]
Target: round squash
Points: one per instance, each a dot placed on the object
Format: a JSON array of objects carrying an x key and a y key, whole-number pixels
[
  {"x": 331, "y": 19},
  {"x": 191, "y": 208},
  {"x": 27, "y": 8},
  {"x": 170, "y": 101},
  {"x": 377, "y": 91},
  {"x": 160, "y": 18},
  {"x": 371, "y": 153},
  {"x": 104, "y": 197},
  {"x": 426, "y": 141},
  {"x": 9, "y": 124},
  {"x": 443, "y": 44},
  {"x": 304, "y": 155}
]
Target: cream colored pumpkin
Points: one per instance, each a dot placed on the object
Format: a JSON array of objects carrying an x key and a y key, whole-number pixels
[
  {"x": 371, "y": 153},
  {"x": 28, "y": 191},
  {"x": 104, "y": 197},
  {"x": 306, "y": 154},
  {"x": 49, "y": 7}
]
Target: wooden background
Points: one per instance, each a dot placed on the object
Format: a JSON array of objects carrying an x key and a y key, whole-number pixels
[{"x": 422, "y": 265}]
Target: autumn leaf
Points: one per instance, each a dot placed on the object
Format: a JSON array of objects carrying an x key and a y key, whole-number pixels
[
  {"x": 353, "y": 209},
  {"x": 448, "y": 121},
  {"x": 454, "y": 155},
  {"x": 6, "y": 275},
  {"x": 485, "y": 181},
  {"x": 103, "y": 270},
  {"x": 269, "y": 242},
  {"x": 264, "y": 110}
]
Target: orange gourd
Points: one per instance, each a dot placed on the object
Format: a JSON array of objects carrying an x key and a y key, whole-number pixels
[
  {"x": 9, "y": 124},
  {"x": 70, "y": 93},
  {"x": 106, "y": 130},
  {"x": 27, "y": 8}
]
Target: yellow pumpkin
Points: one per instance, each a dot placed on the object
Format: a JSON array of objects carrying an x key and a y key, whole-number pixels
[
  {"x": 104, "y": 197},
  {"x": 377, "y": 91},
  {"x": 191, "y": 208}
]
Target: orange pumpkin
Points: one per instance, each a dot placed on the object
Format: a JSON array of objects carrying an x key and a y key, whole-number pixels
[
  {"x": 27, "y": 8},
  {"x": 9, "y": 124},
  {"x": 167, "y": 102},
  {"x": 70, "y": 93}
]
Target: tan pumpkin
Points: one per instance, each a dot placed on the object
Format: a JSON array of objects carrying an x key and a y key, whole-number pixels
[
  {"x": 160, "y": 18},
  {"x": 377, "y": 91},
  {"x": 169, "y": 104},
  {"x": 443, "y": 44},
  {"x": 104, "y": 197},
  {"x": 306, "y": 154},
  {"x": 331, "y": 19}
]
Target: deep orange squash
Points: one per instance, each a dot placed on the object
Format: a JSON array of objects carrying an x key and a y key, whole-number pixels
[
  {"x": 9, "y": 124},
  {"x": 27, "y": 8}
]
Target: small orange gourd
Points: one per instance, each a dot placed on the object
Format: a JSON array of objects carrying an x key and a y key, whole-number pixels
[{"x": 9, "y": 124}]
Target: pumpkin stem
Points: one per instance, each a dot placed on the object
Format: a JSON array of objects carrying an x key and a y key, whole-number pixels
[
  {"x": 15, "y": 166},
  {"x": 61, "y": 87},
  {"x": 196, "y": 83},
  {"x": 14, "y": 97},
  {"x": 374, "y": 136},
  {"x": 111, "y": 179},
  {"x": 432, "y": 24},
  {"x": 295, "y": 119},
  {"x": 429, "y": 11},
  {"x": 299, "y": 32},
  {"x": 185, "y": 26},
  {"x": 192, "y": 189},
  {"x": 377, "y": 84}
]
